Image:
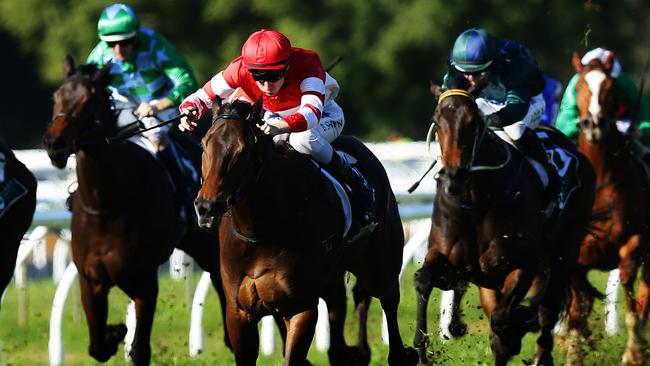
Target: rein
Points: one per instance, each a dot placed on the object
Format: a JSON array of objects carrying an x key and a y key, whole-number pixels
[{"x": 478, "y": 138}]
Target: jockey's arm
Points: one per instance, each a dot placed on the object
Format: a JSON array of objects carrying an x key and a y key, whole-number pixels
[
  {"x": 642, "y": 111},
  {"x": 567, "y": 118}
]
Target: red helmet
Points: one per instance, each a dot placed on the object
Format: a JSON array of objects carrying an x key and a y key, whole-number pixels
[{"x": 266, "y": 50}]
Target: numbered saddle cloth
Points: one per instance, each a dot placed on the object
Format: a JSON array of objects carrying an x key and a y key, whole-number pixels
[{"x": 566, "y": 165}]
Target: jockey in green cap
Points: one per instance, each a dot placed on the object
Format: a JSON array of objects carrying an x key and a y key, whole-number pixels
[
  {"x": 149, "y": 79},
  {"x": 508, "y": 84}
]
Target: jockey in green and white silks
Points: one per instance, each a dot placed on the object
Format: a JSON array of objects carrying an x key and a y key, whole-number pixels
[
  {"x": 567, "y": 119},
  {"x": 508, "y": 84},
  {"x": 149, "y": 79},
  {"x": 149, "y": 75}
]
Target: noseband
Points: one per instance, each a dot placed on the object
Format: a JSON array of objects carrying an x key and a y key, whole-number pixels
[{"x": 478, "y": 137}]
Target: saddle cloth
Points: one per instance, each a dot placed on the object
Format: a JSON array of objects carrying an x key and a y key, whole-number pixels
[
  {"x": 342, "y": 193},
  {"x": 10, "y": 192}
]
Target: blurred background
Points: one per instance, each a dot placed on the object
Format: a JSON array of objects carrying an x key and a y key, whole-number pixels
[{"x": 391, "y": 49}]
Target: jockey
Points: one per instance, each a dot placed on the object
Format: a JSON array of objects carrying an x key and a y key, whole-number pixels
[
  {"x": 503, "y": 72},
  {"x": 149, "y": 79},
  {"x": 298, "y": 97},
  {"x": 567, "y": 119},
  {"x": 552, "y": 95}
]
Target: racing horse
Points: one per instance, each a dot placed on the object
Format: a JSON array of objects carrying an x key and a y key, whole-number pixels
[
  {"x": 17, "y": 205},
  {"x": 492, "y": 227},
  {"x": 618, "y": 233},
  {"x": 125, "y": 220},
  {"x": 280, "y": 229}
]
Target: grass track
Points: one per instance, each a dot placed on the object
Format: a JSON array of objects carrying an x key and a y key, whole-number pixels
[{"x": 27, "y": 345}]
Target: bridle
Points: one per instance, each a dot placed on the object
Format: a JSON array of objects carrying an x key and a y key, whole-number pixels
[{"x": 478, "y": 137}]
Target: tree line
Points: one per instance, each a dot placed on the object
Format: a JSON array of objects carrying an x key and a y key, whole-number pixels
[{"x": 391, "y": 49}]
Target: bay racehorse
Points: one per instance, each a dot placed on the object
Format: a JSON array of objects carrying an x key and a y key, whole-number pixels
[
  {"x": 125, "y": 220},
  {"x": 280, "y": 228},
  {"x": 619, "y": 232},
  {"x": 491, "y": 226},
  {"x": 17, "y": 205}
]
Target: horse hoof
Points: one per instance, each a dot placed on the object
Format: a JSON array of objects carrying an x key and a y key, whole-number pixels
[{"x": 458, "y": 330}]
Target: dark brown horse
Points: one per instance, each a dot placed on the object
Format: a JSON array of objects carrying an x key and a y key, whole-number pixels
[
  {"x": 125, "y": 221},
  {"x": 280, "y": 233},
  {"x": 17, "y": 205},
  {"x": 490, "y": 227},
  {"x": 619, "y": 232}
]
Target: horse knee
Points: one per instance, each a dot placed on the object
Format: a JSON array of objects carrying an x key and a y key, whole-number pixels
[{"x": 423, "y": 281}]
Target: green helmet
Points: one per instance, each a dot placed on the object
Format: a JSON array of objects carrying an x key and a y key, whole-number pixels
[
  {"x": 474, "y": 50},
  {"x": 117, "y": 22}
]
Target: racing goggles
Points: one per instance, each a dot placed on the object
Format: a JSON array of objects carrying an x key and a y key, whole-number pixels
[{"x": 267, "y": 75}]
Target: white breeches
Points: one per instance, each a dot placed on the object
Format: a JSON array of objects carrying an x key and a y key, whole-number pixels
[
  {"x": 516, "y": 130},
  {"x": 316, "y": 142},
  {"x": 153, "y": 140}
]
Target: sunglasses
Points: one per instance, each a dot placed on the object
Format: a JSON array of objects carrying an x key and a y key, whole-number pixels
[
  {"x": 476, "y": 74},
  {"x": 268, "y": 75},
  {"x": 122, "y": 43}
]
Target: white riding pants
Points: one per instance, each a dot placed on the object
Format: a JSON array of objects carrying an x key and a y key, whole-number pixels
[{"x": 316, "y": 142}]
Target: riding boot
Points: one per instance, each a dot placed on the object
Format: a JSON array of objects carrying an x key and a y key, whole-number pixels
[
  {"x": 185, "y": 183},
  {"x": 530, "y": 145},
  {"x": 362, "y": 192}
]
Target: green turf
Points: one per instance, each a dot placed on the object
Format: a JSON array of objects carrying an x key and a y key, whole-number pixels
[{"x": 28, "y": 345}]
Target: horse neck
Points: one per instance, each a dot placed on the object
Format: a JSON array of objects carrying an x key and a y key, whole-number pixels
[
  {"x": 607, "y": 157},
  {"x": 101, "y": 174}
]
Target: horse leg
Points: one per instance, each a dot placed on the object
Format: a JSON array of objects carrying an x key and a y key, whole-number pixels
[
  {"x": 335, "y": 297},
  {"x": 103, "y": 339},
  {"x": 423, "y": 287},
  {"x": 145, "y": 308},
  {"x": 457, "y": 328},
  {"x": 635, "y": 353},
  {"x": 215, "y": 278},
  {"x": 509, "y": 321},
  {"x": 397, "y": 353},
  {"x": 300, "y": 333},
  {"x": 580, "y": 307},
  {"x": 8, "y": 251},
  {"x": 244, "y": 336},
  {"x": 642, "y": 293},
  {"x": 553, "y": 300},
  {"x": 362, "y": 304}
]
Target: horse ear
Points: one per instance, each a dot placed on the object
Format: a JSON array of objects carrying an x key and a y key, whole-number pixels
[
  {"x": 68, "y": 65},
  {"x": 577, "y": 64},
  {"x": 256, "y": 111},
  {"x": 435, "y": 89},
  {"x": 102, "y": 76}
]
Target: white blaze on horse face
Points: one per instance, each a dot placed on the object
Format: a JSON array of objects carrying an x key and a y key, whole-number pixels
[{"x": 594, "y": 80}]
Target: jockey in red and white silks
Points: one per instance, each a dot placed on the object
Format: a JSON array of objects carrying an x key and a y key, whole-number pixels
[{"x": 305, "y": 101}]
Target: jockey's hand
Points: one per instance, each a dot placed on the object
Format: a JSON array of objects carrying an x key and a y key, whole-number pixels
[
  {"x": 144, "y": 110},
  {"x": 277, "y": 127},
  {"x": 493, "y": 120},
  {"x": 191, "y": 117}
]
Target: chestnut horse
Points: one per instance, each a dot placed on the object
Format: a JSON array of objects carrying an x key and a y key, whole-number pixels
[
  {"x": 17, "y": 205},
  {"x": 491, "y": 227},
  {"x": 125, "y": 220},
  {"x": 280, "y": 228},
  {"x": 619, "y": 230}
]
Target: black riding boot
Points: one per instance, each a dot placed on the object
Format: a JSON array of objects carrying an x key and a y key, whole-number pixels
[
  {"x": 362, "y": 193},
  {"x": 530, "y": 145},
  {"x": 185, "y": 184}
]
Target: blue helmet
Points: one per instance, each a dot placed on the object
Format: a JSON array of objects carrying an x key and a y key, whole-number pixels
[{"x": 474, "y": 50}]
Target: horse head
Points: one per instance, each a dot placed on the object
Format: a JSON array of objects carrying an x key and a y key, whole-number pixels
[
  {"x": 233, "y": 149},
  {"x": 458, "y": 128},
  {"x": 81, "y": 112},
  {"x": 595, "y": 96}
]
